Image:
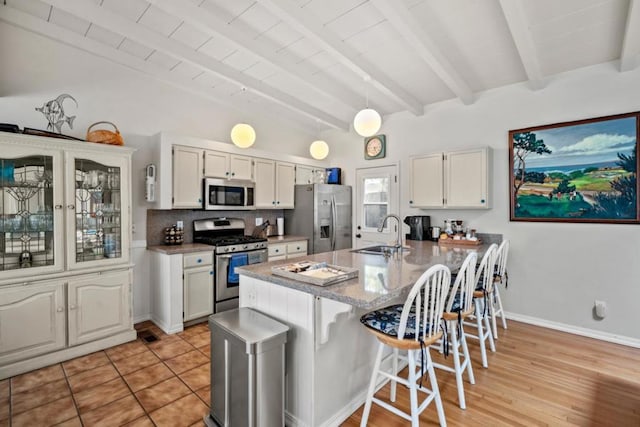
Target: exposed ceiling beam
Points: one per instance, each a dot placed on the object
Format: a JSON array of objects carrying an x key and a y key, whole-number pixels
[
  {"x": 214, "y": 26},
  {"x": 519, "y": 27},
  {"x": 90, "y": 11},
  {"x": 400, "y": 18},
  {"x": 314, "y": 30},
  {"x": 631, "y": 42},
  {"x": 36, "y": 25}
]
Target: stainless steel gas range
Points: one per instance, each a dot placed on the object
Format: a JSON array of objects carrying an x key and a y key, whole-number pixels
[{"x": 232, "y": 248}]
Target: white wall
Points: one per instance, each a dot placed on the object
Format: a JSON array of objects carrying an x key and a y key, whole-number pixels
[{"x": 556, "y": 271}]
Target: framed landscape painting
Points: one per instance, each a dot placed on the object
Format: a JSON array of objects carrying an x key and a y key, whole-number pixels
[{"x": 582, "y": 171}]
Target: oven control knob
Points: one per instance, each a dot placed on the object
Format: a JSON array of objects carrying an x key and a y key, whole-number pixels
[
  {"x": 245, "y": 247},
  {"x": 226, "y": 249}
]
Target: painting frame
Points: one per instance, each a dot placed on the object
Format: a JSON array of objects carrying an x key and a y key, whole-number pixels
[{"x": 582, "y": 171}]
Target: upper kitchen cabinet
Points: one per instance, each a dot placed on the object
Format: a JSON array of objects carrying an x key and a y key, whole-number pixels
[
  {"x": 187, "y": 177},
  {"x": 218, "y": 164},
  {"x": 306, "y": 174},
  {"x": 275, "y": 183},
  {"x": 456, "y": 179}
]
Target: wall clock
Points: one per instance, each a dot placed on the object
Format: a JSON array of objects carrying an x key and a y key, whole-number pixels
[{"x": 375, "y": 147}]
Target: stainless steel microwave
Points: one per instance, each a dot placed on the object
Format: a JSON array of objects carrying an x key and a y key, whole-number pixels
[{"x": 222, "y": 194}]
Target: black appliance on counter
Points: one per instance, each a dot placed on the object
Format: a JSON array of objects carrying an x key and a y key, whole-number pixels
[
  {"x": 232, "y": 249},
  {"x": 419, "y": 227}
]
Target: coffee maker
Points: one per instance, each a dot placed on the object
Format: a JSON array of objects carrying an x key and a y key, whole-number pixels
[{"x": 419, "y": 227}]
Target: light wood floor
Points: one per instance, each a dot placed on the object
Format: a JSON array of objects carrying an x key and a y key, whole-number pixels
[{"x": 536, "y": 377}]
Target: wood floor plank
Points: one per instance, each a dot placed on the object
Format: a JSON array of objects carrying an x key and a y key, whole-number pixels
[{"x": 537, "y": 377}]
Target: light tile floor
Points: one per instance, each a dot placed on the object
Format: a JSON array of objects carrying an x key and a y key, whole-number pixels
[{"x": 163, "y": 383}]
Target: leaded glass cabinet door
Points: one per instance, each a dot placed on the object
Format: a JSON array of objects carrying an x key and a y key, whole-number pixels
[
  {"x": 97, "y": 210},
  {"x": 31, "y": 212}
]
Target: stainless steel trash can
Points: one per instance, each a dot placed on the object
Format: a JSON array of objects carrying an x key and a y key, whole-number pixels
[{"x": 247, "y": 369}]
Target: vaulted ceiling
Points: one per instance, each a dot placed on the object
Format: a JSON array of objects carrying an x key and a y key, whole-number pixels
[{"x": 320, "y": 61}]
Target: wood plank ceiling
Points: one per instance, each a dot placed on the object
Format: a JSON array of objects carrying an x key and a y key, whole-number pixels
[{"x": 320, "y": 61}]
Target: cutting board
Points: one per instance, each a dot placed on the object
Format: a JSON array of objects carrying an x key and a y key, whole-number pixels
[{"x": 453, "y": 242}]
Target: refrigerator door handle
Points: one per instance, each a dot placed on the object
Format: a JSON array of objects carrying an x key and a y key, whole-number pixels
[{"x": 334, "y": 216}]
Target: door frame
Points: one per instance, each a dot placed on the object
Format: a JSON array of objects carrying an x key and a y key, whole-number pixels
[{"x": 394, "y": 198}]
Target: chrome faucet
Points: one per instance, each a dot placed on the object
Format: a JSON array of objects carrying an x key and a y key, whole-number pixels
[{"x": 381, "y": 227}]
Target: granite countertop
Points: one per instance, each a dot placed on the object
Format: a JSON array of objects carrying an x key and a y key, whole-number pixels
[
  {"x": 380, "y": 281},
  {"x": 285, "y": 239},
  {"x": 180, "y": 249}
]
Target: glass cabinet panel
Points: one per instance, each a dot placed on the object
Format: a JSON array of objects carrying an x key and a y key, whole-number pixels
[
  {"x": 98, "y": 217},
  {"x": 26, "y": 212}
]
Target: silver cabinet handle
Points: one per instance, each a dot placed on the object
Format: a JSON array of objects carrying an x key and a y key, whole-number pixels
[
  {"x": 72, "y": 207},
  {"x": 72, "y": 307},
  {"x": 57, "y": 207},
  {"x": 60, "y": 310}
]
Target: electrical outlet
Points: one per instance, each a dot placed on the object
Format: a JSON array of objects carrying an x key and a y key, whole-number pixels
[
  {"x": 258, "y": 221},
  {"x": 179, "y": 224}
]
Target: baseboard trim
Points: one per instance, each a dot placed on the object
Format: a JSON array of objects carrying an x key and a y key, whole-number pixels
[
  {"x": 576, "y": 330},
  {"x": 142, "y": 318}
]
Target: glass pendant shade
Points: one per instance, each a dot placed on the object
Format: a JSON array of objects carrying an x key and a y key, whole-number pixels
[
  {"x": 367, "y": 122},
  {"x": 243, "y": 135},
  {"x": 319, "y": 149}
]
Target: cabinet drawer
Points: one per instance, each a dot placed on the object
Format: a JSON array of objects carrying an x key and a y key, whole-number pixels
[
  {"x": 198, "y": 259},
  {"x": 297, "y": 247},
  {"x": 277, "y": 249}
]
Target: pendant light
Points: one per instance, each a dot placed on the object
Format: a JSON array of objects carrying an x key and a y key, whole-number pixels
[
  {"x": 368, "y": 121},
  {"x": 319, "y": 149},
  {"x": 243, "y": 135}
]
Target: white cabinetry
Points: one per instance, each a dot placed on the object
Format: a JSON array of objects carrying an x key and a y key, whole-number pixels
[
  {"x": 99, "y": 305},
  {"x": 187, "y": 177},
  {"x": 275, "y": 184},
  {"x": 197, "y": 285},
  {"x": 65, "y": 272},
  {"x": 32, "y": 320},
  {"x": 218, "y": 164},
  {"x": 288, "y": 250},
  {"x": 456, "y": 179},
  {"x": 305, "y": 174}
]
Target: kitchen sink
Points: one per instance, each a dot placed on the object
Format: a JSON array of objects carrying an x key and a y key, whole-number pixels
[{"x": 380, "y": 250}]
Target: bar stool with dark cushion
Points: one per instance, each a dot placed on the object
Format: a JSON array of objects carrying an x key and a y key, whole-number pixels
[
  {"x": 412, "y": 327},
  {"x": 458, "y": 307}
]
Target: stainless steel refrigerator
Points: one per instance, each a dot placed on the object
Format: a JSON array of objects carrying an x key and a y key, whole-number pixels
[{"x": 323, "y": 215}]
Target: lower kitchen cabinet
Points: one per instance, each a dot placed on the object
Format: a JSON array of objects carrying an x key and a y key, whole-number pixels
[
  {"x": 197, "y": 285},
  {"x": 278, "y": 251},
  {"x": 49, "y": 318}
]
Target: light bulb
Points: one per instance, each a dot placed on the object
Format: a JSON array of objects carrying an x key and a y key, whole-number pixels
[
  {"x": 243, "y": 135},
  {"x": 367, "y": 122},
  {"x": 319, "y": 149}
]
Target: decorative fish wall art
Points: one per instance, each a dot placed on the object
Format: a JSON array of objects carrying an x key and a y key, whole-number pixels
[{"x": 54, "y": 113}]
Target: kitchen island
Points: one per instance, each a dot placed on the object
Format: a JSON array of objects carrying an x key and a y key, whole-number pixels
[{"x": 329, "y": 354}]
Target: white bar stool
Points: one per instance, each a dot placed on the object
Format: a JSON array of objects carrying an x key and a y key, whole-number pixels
[
  {"x": 412, "y": 326},
  {"x": 483, "y": 291},
  {"x": 500, "y": 277},
  {"x": 458, "y": 307}
]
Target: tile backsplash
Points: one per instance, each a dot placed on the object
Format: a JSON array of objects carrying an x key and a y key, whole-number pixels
[{"x": 158, "y": 219}]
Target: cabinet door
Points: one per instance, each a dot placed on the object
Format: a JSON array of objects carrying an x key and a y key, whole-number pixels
[
  {"x": 198, "y": 292},
  {"x": 216, "y": 164},
  {"x": 98, "y": 209},
  {"x": 426, "y": 175},
  {"x": 241, "y": 167},
  {"x": 466, "y": 179},
  {"x": 285, "y": 185},
  {"x": 99, "y": 306},
  {"x": 32, "y": 320},
  {"x": 31, "y": 211},
  {"x": 187, "y": 177},
  {"x": 265, "y": 190},
  {"x": 304, "y": 174}
]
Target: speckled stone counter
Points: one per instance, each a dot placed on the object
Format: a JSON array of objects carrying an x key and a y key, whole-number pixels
[
  {"x": 180, "y": 249},
  {"x": 285, "y": 239},
  {"x": 380, "y": 281}
]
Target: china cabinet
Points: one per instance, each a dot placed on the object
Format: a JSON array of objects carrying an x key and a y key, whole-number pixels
[
  {"x": 65, "y": 273},
  {"x": 455, "y": 179}
]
